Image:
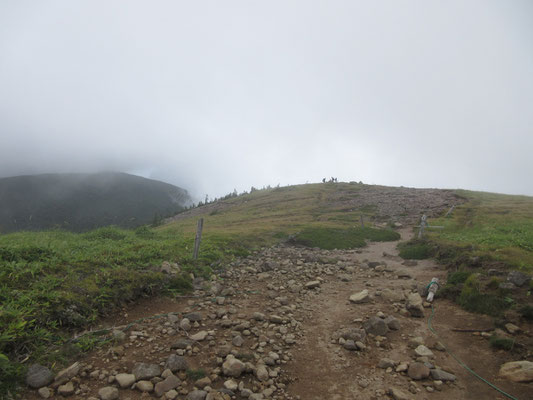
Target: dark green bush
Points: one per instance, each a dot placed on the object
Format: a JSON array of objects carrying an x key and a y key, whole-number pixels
[
  {"x": 455, "y": 278},
  {"x": 501, "y": 343},
  {"x": 527, "y": 312},
  {"x": 415, "y": 250}
]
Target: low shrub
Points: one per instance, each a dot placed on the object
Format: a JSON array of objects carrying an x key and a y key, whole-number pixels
[
  {"x": 455, "y": 278},
  {"x": 501, "y": 343},
  {"x": 526, "y": 312},
  {"x": 415, "y": 250}
]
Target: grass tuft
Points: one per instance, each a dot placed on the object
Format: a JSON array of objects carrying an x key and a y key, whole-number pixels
[
  {"x": 501, "y": 343},
  {"x": 415, "y": 250}
]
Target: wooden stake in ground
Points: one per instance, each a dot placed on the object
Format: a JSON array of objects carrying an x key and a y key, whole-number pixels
[
  {"x": 362, "y": 221},
  {"x": 423, "y": 224},
  {"x": 198, "y": 238}
]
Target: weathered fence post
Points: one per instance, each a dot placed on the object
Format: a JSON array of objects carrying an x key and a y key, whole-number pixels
[
  {"x": 198, "y": 237},
  {"x": 449, "y": 211},
  {"x": 423, "y": 224}
]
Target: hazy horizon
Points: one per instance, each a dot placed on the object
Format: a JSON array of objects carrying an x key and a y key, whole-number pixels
[{"x": 214, "y": 96}]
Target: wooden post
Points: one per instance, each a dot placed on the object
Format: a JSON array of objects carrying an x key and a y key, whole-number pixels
[
  {"x": 423, "y": 224},
  {"x": 449, "y": 211},
  {"x": 362, "y": 222},
  {"x": 198, "y": 238}
]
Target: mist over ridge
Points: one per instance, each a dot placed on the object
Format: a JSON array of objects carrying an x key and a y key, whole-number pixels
[{"x": 214, "y": 97}]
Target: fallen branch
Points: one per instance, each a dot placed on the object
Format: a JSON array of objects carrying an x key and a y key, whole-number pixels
[{"x": 472, "y": 330}]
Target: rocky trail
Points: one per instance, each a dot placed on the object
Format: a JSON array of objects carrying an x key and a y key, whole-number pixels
[{"x": 295, "y": 323}]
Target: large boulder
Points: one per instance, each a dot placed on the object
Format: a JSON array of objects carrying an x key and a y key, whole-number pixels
[
  {"x": 414, "y": 305},
  {"x": 376, "y": 326},
  {"x": 518, "y": 278},
  {"x": 38, "y": 376},
  {"x": 143, "y": 371},
  {"x": 418, "y": 371},
  {"x": 517, "y": 371},
  {"x": 171, "y": 382},
  {"x": 176, "y": 363},
  {"x": 233, "y": 367}
]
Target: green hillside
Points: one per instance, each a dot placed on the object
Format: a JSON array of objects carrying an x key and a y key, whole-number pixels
[
  {"x": 54, "y": 283},
  {"x": 80, "y": 202}
]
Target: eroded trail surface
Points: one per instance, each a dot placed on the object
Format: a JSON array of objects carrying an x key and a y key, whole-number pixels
[{"x": 298, "y": 323}]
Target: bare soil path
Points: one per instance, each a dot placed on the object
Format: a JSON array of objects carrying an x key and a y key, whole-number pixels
[{"x": 282, "y": 312}]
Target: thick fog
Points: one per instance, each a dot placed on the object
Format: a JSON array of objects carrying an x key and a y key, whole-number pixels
[{"x": 217, "y": 95}]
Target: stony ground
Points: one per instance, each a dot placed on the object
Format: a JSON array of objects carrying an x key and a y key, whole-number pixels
[{"x": 296, "y": 323}]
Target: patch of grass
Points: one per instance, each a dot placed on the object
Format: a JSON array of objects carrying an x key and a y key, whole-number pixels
[
  {"x": 526, "y": 312},
  {"x": 334, "y": 238},
  {"x": 195, "y": 374},
  {"x": 501, "y": 343},
  {"x": 499, "y": 227},
  {"x": 474, "y": 300},
  {"x": 457, "y": 277},
  {"x": 54, "y": 282},
  {"x": 415, "y": 250}
]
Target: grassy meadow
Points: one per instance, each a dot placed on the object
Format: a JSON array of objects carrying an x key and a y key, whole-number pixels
[
  {"x": 482, "y": 241},
  {"x": 55, "y": 283}
]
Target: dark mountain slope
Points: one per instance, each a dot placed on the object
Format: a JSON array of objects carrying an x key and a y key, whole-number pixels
[{"x": 80, "y": 202}]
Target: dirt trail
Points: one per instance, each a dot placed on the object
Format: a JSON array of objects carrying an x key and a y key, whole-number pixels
[{"x": 283, "y": 308}]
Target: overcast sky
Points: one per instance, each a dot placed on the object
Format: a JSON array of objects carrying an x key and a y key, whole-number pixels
[{"x": 217, "y": 95}]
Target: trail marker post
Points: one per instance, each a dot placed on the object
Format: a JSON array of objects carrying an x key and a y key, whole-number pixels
[
  {"x": 424, "y": 224},
  {"x": 449, "y": 211},
  {"x": 198, "y": 238},
  {"x": 362, "y": 221}
]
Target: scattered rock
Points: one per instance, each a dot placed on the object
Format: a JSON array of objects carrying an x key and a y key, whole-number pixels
[
  {"x": 38, "y": 376},
  {"x": 393, "y": 296},
  {"x": 397, "y": 394},
  {"x": 440, "y": 375},
  {"x": 385, "y": 363},
  {"x": 517, "y": 371},
  {"x": 125, "y": 380},
  {"x": 171, "y": 382},
  {"x": 376, "y": 326},
  {"x": 418, "y": 371},
  {"x": 108, "y": 393},
  {"x": 197, "y": 395},
  {"x": 512, "y": 328},
  {"x": 145, "y": 386},
  {"x": 518, "y": 278},
  {"x": 200, "y": 336},
  {"x": 66, "y": 390},
  {"x": 312, "y": 284},
  {"x": 261, "y": 373},
  {"x": 44, "y": 392},
  {"x": 414, "y": 305},
  {"x": 361, "y": 297},
  {"x": 233, "y": 367},
  {"x": 423, "y": 351},
  {"x": 145, "y": 371},
  {"x": 193, "y": 316},
  {"x": 392, "y": 323},
  {"x": 176, "y": 363}
]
